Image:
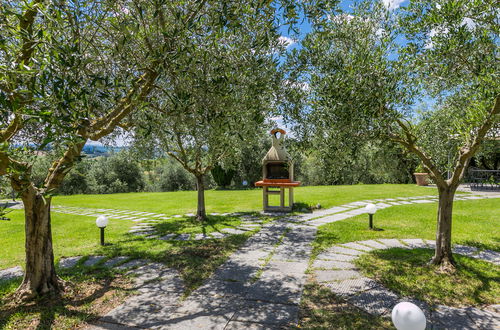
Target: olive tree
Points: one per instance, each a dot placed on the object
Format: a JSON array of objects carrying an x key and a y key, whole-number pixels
[
  {"x": 369, "y": 69},
  {"x": 210, "y": 103},
  {"x": 73, "y": 71}
]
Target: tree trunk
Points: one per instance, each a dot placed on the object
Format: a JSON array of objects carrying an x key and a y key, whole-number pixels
[
  {"x": 40, "y": 277},
  {"x": 201, "y": 214},
  {"x": 443, "y": 255}
]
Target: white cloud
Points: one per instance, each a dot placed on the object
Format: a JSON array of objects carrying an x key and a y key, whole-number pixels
[
  {"x": 340, "y": 18},
  {"x": 380, "y": 32},
  {"x": 435, "y": 32},
  {"x": 300, "y": 84},
  {"x": 286, "y": 41},
  {"x": 392, "y": 4}
]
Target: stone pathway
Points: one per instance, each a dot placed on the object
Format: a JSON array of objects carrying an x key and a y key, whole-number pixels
[
  {"x": 334, "y": 268},
  {"x": 260, "y": 285}
]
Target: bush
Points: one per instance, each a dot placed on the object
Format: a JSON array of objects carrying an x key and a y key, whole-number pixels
[
  {"x": 221, "y": 176},
  {"x": 169, "y": 176}
]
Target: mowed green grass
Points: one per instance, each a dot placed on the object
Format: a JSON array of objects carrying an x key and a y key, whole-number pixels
[
  {"x": 222, "y": 201},
  {"x": 475, "y": 223},
  {"x": 78, "y": 235}
]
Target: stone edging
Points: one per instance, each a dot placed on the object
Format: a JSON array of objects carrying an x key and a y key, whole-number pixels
[{"x": 334, "y": 269}]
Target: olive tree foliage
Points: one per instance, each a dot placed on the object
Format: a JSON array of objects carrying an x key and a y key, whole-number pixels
[
  {"x": 73, "y": 71},
  {"x": 213, "y": 101},
  {"x": 369, "y": 69}
]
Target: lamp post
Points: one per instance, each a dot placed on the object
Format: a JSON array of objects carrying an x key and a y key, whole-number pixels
[
  {"x": 408, "y": 316},
  {"x": 102, "y": 222},
  {"x": 371, "y": 209}
]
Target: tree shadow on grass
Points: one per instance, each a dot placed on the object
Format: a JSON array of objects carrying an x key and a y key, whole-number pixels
[
  {"x": 180, "y": 225},
  {"x": 408, "y": 273},
  {"x": 75, "y": 305}
]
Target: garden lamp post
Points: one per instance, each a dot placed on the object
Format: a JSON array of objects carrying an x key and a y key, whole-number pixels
[
  {"x": 371, "y": 209},
  {"x": 408, "y": 316},
  {"x": 102, "y": 222}
]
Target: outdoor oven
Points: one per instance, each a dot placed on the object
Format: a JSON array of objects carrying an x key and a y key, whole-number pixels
[{"x": 277, "y": 172}]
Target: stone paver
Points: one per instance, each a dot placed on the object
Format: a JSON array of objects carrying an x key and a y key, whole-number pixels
[
  {"x": 351, "y": 286},
  {"x": 114, "y": 261},
  {"x": 335, "y": 275},
  {"x": 69, "y": 262},
  {"x": 93, "y": 260},
  {"x": 10, "y": 273},
  {"x": 391, "y": 242},
  {"x": 332, "y": 264},
  {"x": 377, "y": 301}
]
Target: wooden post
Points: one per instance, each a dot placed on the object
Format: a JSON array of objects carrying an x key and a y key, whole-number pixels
[
  {"x": 290, "y": 198},
  {"x": 265, "y": 198},
  {"x": 282, "y": 197}
]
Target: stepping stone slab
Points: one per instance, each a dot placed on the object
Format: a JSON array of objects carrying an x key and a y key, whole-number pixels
[
  {"x": 183, "y": 237},
  {"x": 343, "y": 250},
  {"x": 336, "y": 257},
  {"x": 246, "y": 254},
  {"x": 335, "y": 275},
  {"x": 391, "y": 242},
  {"x": 331, "y": 264},
  {"x": 10, "y": 273},
  {"x": 267, "y": 313},
  {"x": 168, "y": 237},
  {"x": 289, "y": 268},
  {"x": 465, "y": 250},
  {"x": 190, "y": 214},
  {"x": 415, "y": 243},
  {"x": 277, "y": 287},
  {"x": 69, "y": 262},
  {"x": 491, "y": 256},
  {"x": 114, "y": 261},
  {"x": 351, "y": 286},
  {"x": 445, "y": 317},
  {"x": 232, "y": 231},
  {"x": 93, "y": 260},
  {"x": 484, "y": 319},
  {"x": 217, "y": 235},
  {"x": 377, "y": 301},
  {"x": 357, "y": 246},
  {"x": 236, "y": 325},
  {"x": 236, "y": 270},
  {"x": 199, "y": 237},
  {"x": 376, "y": 245},
  {"x": 132, "y": 264}
]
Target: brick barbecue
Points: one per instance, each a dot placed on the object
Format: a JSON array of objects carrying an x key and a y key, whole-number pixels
[{"x": 277, "y": 172}]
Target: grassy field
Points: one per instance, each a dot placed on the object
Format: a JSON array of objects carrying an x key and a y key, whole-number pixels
[
  {"x": 475, "y": 223},
  {"x": 78, "y": 235},
  {"x": 182, "y": 202}
]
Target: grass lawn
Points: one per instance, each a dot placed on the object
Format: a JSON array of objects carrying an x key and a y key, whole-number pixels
[
  {"x": 407, "y": 272},
  {"x": 182, "y": 202},
  {"x": 475, "y": 223}
]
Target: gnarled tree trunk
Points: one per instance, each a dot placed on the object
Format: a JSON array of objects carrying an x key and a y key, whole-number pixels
[
  {"x": 443, "y": 254},
  {"x": 201, "y": 214},
  {"x": 40, "y": 277}
]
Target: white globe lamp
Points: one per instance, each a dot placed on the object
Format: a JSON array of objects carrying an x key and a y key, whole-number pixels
[
  {"x": 370, "y": 209},
  {"x": 102, "y": 222},
  {"x": 408, "y": 316}
]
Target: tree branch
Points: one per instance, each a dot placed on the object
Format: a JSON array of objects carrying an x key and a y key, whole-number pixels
[{"x": 466, "y": 152}]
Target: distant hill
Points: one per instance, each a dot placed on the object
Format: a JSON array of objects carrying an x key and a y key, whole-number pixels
[{"x": 95, "y": 150}]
